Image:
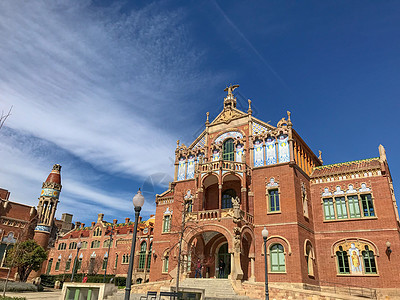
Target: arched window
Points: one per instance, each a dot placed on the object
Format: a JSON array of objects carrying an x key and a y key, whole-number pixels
[
  {"x": 167, "y": 223},
  {"x": 149, "y": 256},
  {"x": 97, "y": 232},
  {"x": 343, "y": 261},
  {"x": 228, "y": 150},
  {"x": 83, "y": 245},
  {"x": 49, "y": 266},
  {"x": 165, "y": 264},
  {"x": 369, "y": 261},
  {"x": 58, "y": 264},
  {"x": 227, "y": 198},
  {"x": 310, "y": 259},
  {"x": 142, "y": 255},
  {"x": 72, "y": 245},
  {"x": 106, "y": 243},
  {"x": 95, "y": 244},
  {"x": 68, "y": 263},
  {"x": 116, "y": 261},
  {"x": 277, "y": 257}
]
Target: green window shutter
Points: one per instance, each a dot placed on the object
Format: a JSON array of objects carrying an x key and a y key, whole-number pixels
[
  {"x": 368, "y": 206},
  {"x": 354, "y": 206},
  {"x": 149, "y": 256},
  {"x": 369, "y": 261},
  {"x": 228, "y": 150},
  {"x": 277, "y": 258},
  {"x": 341, "y": 209},
  {"x": 343, "y": 261},
  {"x": 329, "y": 212}
]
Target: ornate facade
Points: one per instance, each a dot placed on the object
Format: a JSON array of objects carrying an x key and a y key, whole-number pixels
[
  {"x": 327, "y": 223},
  {"x": 104, "y": 246}
]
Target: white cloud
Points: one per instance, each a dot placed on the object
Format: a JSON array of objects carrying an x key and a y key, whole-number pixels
[{"x": 98, "y": 83}]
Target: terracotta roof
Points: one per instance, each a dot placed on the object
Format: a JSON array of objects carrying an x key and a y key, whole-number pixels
[
  {"x": 54, "y": 175},
  {"x": 346, "y": 167}
]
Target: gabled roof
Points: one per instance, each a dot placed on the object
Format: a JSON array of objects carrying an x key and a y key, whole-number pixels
[{"x": 346, "y": 167}]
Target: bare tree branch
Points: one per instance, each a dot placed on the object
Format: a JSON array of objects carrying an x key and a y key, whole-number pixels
[{"x": 4, "y": 117}]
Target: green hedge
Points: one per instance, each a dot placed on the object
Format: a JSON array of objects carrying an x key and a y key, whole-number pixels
[
  {"x": 49, "y": 280},
  {"x": 20, "y": 287},
  {"x": 12, "y": 298}
]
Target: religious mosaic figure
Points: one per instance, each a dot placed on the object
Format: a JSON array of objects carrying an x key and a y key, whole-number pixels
[{"x": 354, "y": 253}]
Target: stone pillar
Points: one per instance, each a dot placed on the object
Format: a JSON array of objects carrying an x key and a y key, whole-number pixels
[
  {"x": 220, "y": 198},
  {"x": 252, "y": 276}
]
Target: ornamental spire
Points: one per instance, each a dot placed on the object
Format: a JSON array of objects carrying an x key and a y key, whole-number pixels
[{"x": 230, "y": 100}]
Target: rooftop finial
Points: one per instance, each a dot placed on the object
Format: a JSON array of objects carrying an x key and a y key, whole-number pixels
[
  {"x": 207, "y": 121},
  {"x": 320, "y": 156},
  {"x": 382, "y": 153},
  {"x": 249, "y": 111},
  {"x": 230, "y": 89},
  {"x": 230, "y": 100},
  {"x": 177, "y": 144}
]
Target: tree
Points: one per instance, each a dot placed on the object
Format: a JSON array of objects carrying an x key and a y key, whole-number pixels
[
  {"x": 180, "y": 228},
  {"x": 26, "y": 256},
  {"x": 4, "y": 116}
]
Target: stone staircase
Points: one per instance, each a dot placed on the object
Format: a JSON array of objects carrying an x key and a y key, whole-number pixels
[{"x": 220, "y": 289}]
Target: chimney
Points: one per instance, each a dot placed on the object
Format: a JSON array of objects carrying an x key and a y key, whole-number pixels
[
  {"x": 100, "y": 217},
  {"x": 151, "y": 216},
  {"x": 82, "y": 225},
  {"x": 140, "y": 219},
  {"x": 115, "y": 221},
  {"x": 127, "y": 220},
  {"x": 93, "y": 223},
  {"x": 77, "y": 224}
]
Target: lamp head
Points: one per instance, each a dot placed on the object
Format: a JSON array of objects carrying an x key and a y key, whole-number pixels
[
  {"x": 388, "y": 244},
  {"x": 138, "y": 199},
  {"x": 264, "y": 233},
  {"x": 79, "y": 245}
]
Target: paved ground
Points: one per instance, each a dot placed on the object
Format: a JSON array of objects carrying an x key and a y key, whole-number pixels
[{"x": 49, "y": 294}]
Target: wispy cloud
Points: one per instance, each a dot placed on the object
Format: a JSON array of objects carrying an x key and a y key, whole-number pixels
[{"x": 98, "y": 83}]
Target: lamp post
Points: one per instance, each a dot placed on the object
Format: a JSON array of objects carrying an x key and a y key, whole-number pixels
[
  {"x": 78, "y": 247},
  {"x": 108, "y": 253},
  {"x": 138, "y": 201},
  {"x": 264, "y": 234}
]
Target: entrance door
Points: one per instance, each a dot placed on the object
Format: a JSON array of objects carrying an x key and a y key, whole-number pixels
[{"x": 226, "y": 258}]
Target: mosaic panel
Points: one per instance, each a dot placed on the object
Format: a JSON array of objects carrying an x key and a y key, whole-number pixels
[
  {"x": 283, "y": 148},
  {"x": 201, "y": 143},
  {"x": 271, "y": 151},
  {"x": 190, "y": 167},
  {"x": 258, "y": 154},
  {"x": 239, "y": 153},
  {"x": 229, "y": 134},
  {"x": 181, "y": 168},
  {"x": 258, "y": 128}
]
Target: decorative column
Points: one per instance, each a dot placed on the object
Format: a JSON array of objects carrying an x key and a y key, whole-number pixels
[{"x": 252, "y": 268}]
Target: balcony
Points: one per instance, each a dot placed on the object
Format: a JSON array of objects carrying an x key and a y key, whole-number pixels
[
  {"x": 222, "y": 165},
  {"x": 216, "y": 214}
]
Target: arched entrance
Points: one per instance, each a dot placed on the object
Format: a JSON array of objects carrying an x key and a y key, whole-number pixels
[
  {"x": 209, "y": 247},
  {"x": 223, "y": 261}
]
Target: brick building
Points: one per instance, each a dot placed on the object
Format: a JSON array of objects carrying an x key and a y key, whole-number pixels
[
  {"x": 104, "y": 245},
  {"x": 335, "y": 223},
  {"x": 20, "y": 222}
]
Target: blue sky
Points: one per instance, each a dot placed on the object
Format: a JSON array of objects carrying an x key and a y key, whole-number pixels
[{"x": 105, "y": 88}]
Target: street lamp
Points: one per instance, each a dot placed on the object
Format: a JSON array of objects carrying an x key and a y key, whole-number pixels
[
  {"x": 108, "y": 253},
  {"x": 78, "y": 247},
  {"x": 138, "y": 201},
  {"x": 264, "y": 234}
]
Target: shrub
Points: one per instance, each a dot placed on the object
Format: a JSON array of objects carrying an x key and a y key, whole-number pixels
[
  {"x": 120, "y": 281},
  {"x": 19, "y": 287},
  {"x": 12, "y": 298},
  {"x": 49, "y": 280}
]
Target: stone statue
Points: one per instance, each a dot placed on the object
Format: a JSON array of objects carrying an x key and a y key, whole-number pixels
[
  {"x": 236, "y": 209},
  {"x": 230, "y": 89}
]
